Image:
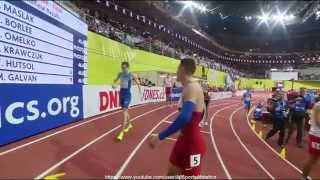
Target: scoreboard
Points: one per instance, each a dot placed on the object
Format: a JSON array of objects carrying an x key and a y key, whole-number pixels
[{"x": 41, "y": 42}]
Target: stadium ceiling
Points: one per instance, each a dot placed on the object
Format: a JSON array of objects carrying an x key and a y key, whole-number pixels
[
  {"x": 252, "y": 13},
  {"x": 286, "y": 21}
]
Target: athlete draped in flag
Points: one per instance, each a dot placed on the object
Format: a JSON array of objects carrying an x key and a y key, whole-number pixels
[
  {"x": 125, "y": 77},
  {"x": 187, "y": 155}
]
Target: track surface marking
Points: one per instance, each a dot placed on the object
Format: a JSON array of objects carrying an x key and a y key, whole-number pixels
[
  {"x": 87, "y": 149},
  {"x": 161, "y": 156},
  {"x": 44, "y": 136},
  {"x": 109, "y": 155},
  {"x": 37, "y": 156},
  {"x": 244, "y": 146}
]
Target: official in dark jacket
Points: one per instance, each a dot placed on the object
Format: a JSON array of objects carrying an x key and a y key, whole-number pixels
[{"x": 278, "y": 109}]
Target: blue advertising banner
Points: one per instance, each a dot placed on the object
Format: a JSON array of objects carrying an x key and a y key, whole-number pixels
[
  {"x": 26, "y": 110},
  {"x": 176, "y": 94}
]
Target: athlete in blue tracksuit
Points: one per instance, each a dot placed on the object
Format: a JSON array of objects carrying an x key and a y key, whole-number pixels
[
  {"x": 247, "y": 100},
  {"x": 126, "y": 78},
  {"x": 278, "y": 109}
]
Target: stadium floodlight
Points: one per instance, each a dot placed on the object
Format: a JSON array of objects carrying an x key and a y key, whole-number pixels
[
  {"x": 275, "y": 17},
  {"x": 188, "y": 3},
  {"x": 264, "y": 17},
  {"x": 290, "y": 17},
  {"x": 203, "y": 9},
  {"x": 279, "y": 18},
  {"x": 282, "y": 17},
  {"x": 191, "y": 4},
  {"x": 248, "y": 18},
  {"x": 317, "y": 15}
]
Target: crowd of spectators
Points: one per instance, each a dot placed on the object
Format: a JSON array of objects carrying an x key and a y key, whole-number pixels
[
  {"x": 310, "y": 77},
  {"x": 146, "y": 82},
  {"x": 229, "y": 62},
  {"x": 137, "y": 38},
  {"x": 219, "y": 89}
]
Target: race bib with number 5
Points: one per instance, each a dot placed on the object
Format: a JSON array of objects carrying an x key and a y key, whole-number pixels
[{"x": 195, "y": 160}]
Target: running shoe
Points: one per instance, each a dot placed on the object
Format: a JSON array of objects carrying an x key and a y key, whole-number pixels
[
  {"x": 120, "y": 136},
  {"x": 129, "y": 126}
]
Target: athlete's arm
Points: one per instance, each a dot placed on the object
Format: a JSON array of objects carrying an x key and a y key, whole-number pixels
[
  {"x": 188, "y": 106},
  {"x": 117, "y": 79}
]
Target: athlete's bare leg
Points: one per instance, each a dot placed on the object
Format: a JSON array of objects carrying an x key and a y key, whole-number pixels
[
  {"x": 126, "y": 125},
  {"x": 309, "y": 165},
  {"x": 125, "y": 118},
  {"x": 204, "y": 121},
  {"x": 207, "y": 115}
]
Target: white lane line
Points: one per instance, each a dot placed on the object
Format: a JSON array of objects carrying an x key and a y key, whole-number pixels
[
  {"x": 62, "y": 130},
  {"x": 214, "y": 142},
  {"x": 245, "y": 147},
  {"x": 285, "y": 160},
  {"x": 125, "y": 164},
  {"x": 43, "y": 174},
  {"x": 205, "y": 132},
  {"x": 104, "y": 115}
]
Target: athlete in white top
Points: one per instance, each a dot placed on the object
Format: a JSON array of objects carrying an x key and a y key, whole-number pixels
[
  {"x": 167, "y": 84},
  {"x": 314, "y": 124},
  {"x": 314, "y": 141}
]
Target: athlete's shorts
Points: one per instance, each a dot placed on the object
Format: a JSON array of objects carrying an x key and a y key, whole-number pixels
[
  {"x": 188, "y": 155},
  {"x": 314, "y": 145},
  {"x": 168, "y": 91},
  {"x": 247, "y": 104},
  {"x": 125, "y": 98}
]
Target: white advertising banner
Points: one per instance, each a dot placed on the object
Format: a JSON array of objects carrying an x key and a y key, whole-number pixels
[
  {"x": 220, "y": 95},
  {"x": 99, "y": 99},
  {"x": 147, "y": 95},
  {"x": 240, "y": 93}
]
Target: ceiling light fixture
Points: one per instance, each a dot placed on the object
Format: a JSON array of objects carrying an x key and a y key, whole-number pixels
[{"x": 191, "y": 4}]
